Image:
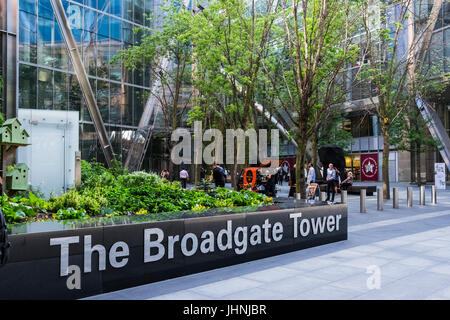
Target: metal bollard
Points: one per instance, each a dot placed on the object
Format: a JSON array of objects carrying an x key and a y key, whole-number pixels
[
  {"x": 362, "y": 204},
  {"x": 343, "y": 196},
  {"x": 409, "y": 197},
  {"x": 433, "y": 195},
  {"x": 422, "y": 195},
  {"x": 379, "y": 199},
  {"x": 322, "y": 196},
  {"x": 395, "y": 200}
]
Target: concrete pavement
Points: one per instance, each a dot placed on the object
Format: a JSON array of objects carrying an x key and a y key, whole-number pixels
[{"x": 391, "y": 254}]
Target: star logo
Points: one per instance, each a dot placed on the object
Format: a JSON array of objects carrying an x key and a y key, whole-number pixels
[{"x": 369, "y": 167}]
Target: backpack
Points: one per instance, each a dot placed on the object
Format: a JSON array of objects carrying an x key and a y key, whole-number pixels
[{"x": 4, "y": 244}]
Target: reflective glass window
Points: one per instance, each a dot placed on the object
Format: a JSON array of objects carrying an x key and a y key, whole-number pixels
[
  {"x": 103, "y": 99},
  {"x": 60, "y": 96},
  {"x": 139, "y": 11},
  {"x": 45, "y": 89},
  {"x": 128, "y": 9},
  {"x": 447, "y": 49},
  {"x": 446, "y": 13},
  {"x": 91, "y": 3},
  {"x": 27, "y": 37},
  {"x": 103, "y": 25},
  {"x": 116, "y": 102},
  {"x": 436, "y": 53},
  {"x": 103, "y": 57},
  {"x": 139, "y": 100},
  {"x": 88, "y": 142},
  {"x": 27, "y": 5},
  {"x": 127, "y": 107},
  {"x": 44, "y": 51},
  {"x": 45, "y": 9},
  {"x": 148, "y": 13},
  {"x": 60, "y": 54},
  {"x": 116, "y": 7},
  {"x": 102, "y": 5},
  {"x": 27, "y": 86},
  {"x": 116, "y": 29},
  {"x": 75, "y": 94}
]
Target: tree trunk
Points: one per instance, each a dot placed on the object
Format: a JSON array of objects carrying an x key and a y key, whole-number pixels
[
  {"x": 385, "y": 165},
  {"x": 418, "y": 171},
  {"x": 300, "y": 181}
]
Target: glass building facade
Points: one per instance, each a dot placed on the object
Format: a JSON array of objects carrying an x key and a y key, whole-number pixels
[{"x": 46, "y": 77}]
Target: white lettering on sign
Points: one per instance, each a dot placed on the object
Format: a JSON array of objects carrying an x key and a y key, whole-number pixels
[
  {"x": 317, "y": 224},
  {"x": 157, "y": 245}
]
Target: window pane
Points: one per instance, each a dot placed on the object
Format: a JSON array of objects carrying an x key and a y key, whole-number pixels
[
  {"x": 60, "y": 91},
  {"x": 138, "y": 105},
  {"x": 27, "y": 37},
  {"x": 116, "y": 7},
  {"x": 45, "y": 86},
  {"x": 127, "y": 107},
  {"x": 75, "y": 94},
  {"x": 88, "y": 141},
  {"x": 27, "y": 5},
  {"x": 139, "y": 11},
  {"x": 116, "y": 98},
  {"x": 61, "y": 58},
  {"x": 103, "y": 99},
  {"x": 103, "y": 57},
  {"x": 45, "y": 9},
  {"x": 45, "y": 31},
  {"x": 27, "y": 87},
  {"x": 128, "y": 9}
]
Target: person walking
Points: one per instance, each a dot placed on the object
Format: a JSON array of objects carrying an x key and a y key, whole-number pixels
[
  {"x": 311, "y": 177},
  {"x": 184, "y": 176},
  {"x": 347, "y": 181},
  {"x": 331, "y": 178},
  {"x": 218, "y": 176},
  {"x": 165, "y": 174},
  {"x": 292, "y": 182}
]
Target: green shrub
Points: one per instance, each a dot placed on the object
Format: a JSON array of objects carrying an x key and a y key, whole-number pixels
[
  {"x": 70, "y": 213},
  {"x": 140, "y": 178}
]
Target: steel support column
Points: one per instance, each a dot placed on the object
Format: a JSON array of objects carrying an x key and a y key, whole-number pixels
[{"x": 78, "y": 66}]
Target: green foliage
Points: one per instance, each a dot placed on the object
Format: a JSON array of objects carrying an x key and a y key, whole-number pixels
[
  {"x": 140, "y": 178},
  {"x": 15, "y": 211},
  {"x": 70, "y": 213}
]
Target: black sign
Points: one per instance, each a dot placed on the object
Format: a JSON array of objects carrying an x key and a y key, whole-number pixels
[{"x": 82, "y": 262}]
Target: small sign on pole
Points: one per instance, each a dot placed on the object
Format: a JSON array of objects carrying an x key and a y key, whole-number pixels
[{"x": 439, "y": 175}]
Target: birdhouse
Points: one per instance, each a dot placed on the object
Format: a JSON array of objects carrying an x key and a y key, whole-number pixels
[
  {"x": 17, "y": 177},
  {"x": 12, "y": 133},
  {"x": 5, "y": 135}
]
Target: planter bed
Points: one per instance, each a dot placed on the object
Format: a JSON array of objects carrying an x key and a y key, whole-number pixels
[{"x": 118, "y": 252}]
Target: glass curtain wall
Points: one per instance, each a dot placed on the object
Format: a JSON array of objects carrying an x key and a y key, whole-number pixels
[{"x": 47, "y": 79}]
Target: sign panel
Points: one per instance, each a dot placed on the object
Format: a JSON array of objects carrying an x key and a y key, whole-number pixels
[
  {"x": 439, "y": 175},
  {"x": 71, "y": 264},
  {"x": 369, "y": 167}
]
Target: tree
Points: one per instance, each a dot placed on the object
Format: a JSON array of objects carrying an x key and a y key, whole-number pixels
[
  {"x": 228, "y": 40},
  {"x": 313, "y": 45},
  {"x": 390, "y": 67}
]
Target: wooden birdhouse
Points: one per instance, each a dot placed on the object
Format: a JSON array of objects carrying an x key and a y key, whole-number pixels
[
  {"x": 17, "y": 177},
  {"x": 11, "y": 130},
  {"x": 5, "y": 135}
]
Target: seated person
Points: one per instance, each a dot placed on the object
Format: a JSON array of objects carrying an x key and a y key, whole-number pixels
[{"x": 348, "y": 181}]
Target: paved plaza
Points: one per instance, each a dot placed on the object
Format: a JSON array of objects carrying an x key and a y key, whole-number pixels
[{"x": 391, "y": 254}]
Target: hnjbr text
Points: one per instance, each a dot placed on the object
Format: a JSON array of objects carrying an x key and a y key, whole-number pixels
[{"x": 158, "y": 245}]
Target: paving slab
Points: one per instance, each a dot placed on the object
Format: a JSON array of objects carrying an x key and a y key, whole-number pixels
[{"x": 408, "y": 249}]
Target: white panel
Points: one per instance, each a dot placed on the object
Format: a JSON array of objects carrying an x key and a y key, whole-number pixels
[{"x": 54, "y": 140}]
